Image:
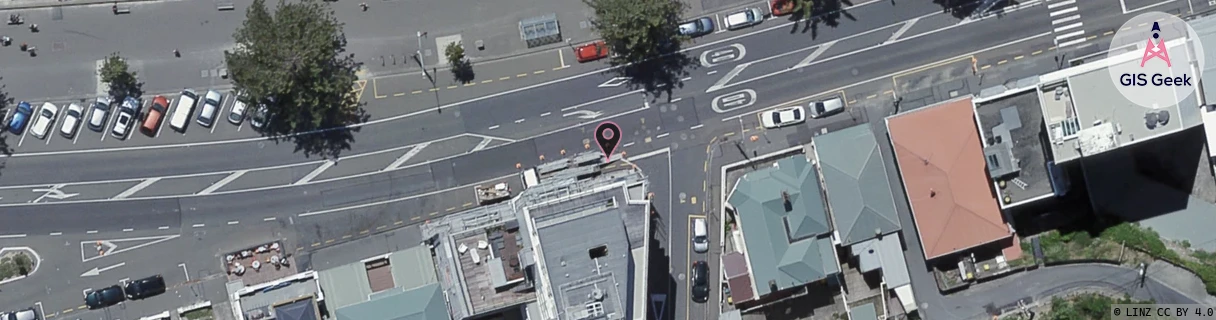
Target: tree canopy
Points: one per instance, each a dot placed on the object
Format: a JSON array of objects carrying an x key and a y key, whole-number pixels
[
  {"x": 122, "y": 82},
  {"x": 294, "y": 62},
  {"x": 643, "y": 37}
]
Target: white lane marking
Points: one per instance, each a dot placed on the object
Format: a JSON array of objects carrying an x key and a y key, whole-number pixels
[
  {"x": 546, "y": 114},
  {"x": 128, "y": 230},
  {"x": 25, "y": 130},
  {"x": 233, "y": 222},
  {"x": 561, "y": 58},
  {"x": 1067, "y": 27},
  {"x": 676, "y": 100},
  {"x": 662, "y": 135},
  {"x": 76, "y": 132},
  {"x": 728, "y": 77},
  {"x": 902, "y": 30},
  {"x": 1065, "y": 19},
  {"x": 199, "y": 225},
  {"x": 414, "y": 196},
  {"x": 1065, "y": 11},
  {"x": 615, "y": 82},
  {"x": 711, "y": 73},
  {"x": 56, "y": 233},
  {"x": 269, "y": 219},
  {"x": 627, "y": 145},
  {"x": 1069, "y": 43},
  {"x": 168, "y": 111},
  {"x": 163, "y": 228},
  {"x": 482, "y": 145},
  {"x": 884, "y": 77},
  {"x": 493, "y": 127},
  {"x": 421, "y": 112},
  {"x": 815, "y": 55},
  {"x": 519, "y": 121},
  {"x": 1069, "y": 35},
  {"x": 406, "y": 157},
  {"x": 1060, "y": 4},
  {"x": 91, "y": 231},
  {"x": 584, "y": 104},
  {"x": 315, "y": 172},
  {"x": 696, "y": 127},
  {"x": 220, "y": 184},
  {"x": 136, "y": 188},
  {"x": 12, "y": 236}
]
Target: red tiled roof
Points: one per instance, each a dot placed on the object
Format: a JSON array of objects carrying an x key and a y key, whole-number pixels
[{"x": 942, "y": 164}]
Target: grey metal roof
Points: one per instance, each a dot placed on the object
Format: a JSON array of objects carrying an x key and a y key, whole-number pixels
[
  {"x": 785, "y": 244},
  {"x": 859, "y": 191},
  {"x": 887, "y": 254},
  {"x": 1206, "y": 29},
  {"x": 413, "y": 267},
  {"x": 348, "y": 285},
  {"x": 864, "y": 312},
  {"x": 422, "y": 303},
  {"x": 303, "y": 309},
  {"x": 583, "y": 286}
]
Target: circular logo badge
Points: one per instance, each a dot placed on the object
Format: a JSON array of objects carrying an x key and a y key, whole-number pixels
[{"x": 1155, "y": 60}]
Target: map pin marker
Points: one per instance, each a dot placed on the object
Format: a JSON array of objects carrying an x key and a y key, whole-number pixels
[{"x": 607, "y": 135}]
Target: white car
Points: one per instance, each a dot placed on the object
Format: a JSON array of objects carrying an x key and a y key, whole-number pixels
[
  {"x": 820, "y": 109},
  {"x": 743, "y": 19},
  {"x": 99, "y": 114},
  {"x": 44, "y": 120},
  {"x": 783, "y": 117},
  {"x": 71, "y": 120}
]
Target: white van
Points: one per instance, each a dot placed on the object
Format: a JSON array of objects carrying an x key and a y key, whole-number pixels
[
  {"x": 183, "y": 110},
  {"x": 700, "y": 236}
]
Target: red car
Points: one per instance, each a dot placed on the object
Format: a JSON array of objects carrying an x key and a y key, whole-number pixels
[
  {"x": 781, "y": 7},
  {"x": 591, "y": 51},
  {"x": 154, "y": 115}
]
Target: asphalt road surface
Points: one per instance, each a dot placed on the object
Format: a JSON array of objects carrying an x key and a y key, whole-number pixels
[{"x": 686, "y": 125}]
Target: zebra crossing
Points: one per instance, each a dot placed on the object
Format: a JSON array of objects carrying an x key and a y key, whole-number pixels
[{"x": 1065, "y": 23}]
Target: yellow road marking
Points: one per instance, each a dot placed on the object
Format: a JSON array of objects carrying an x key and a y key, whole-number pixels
[
  {"x": 382, "y": 227},
  {"x": 416, "y": 91},
  {"x": 399, "y": 222},
  {"x": 487, "y": 81},
  {"x": 346, "y": 237},
  {"x": 694, "y": 200},
  {"x": 329, "y": 241},
  {"x": 433, "y": 89},
  {"x": 986, "y": 67},
  {"x": 399, "y": 94},
  {"x": 365, "y": 232},
  {"x": 415, "y": 218},
  {"x": 470, "y": 84},
  {"x": 315, "y": 244},
  {"x": 521, "y": 75},
  {"x": 468, "y": 204},
  {"x": 558, "y": 68},
  {"x": 729, "y": 134},
  {"x": 1036, "y": 52},
  {"x": 452, "y": 87},
  {"x": 1018, "y": 57},
  {"x": 1108, "y": 33},
  {"x": 67, "y": 311},
  {"x": 505, "y": 78},
  {"x": 888, "y": 92},
  {"x": 376, "y": 89},
  {"x": 1002, "y": 62},
  {"x": 871, "y": 96},
  {"x": 452, "y": 208},
  {"x": 1052, "y": 48},
  {"x": 434, "y": 213},
  {"x": 538, "y": 72},
  {"x": 1091, "y": 37},
  {"x": 852, "y": 102}
]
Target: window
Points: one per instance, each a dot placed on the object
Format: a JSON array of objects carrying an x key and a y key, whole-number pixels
[{"x": 598, "y": 252}]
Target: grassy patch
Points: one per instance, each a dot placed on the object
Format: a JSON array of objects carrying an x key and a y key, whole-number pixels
[
  {"x": 199, "y": 314},
  {"x": 1148, "y": 241},
  {"x": 16, "y": 264},
  {"x": 1084, "y": 307}
]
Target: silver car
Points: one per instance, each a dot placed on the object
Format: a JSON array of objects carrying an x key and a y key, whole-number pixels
[{"x": 824, "y": 108}]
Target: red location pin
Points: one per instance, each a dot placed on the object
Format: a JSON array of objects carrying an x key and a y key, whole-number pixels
[{"x": 607, "y": 135}]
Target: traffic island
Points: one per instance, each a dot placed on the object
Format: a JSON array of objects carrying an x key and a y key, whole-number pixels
[{"x": 16, "y": 263}]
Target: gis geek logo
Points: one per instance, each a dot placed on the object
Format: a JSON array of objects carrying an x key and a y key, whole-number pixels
[{"x": 1158, "y": 52}]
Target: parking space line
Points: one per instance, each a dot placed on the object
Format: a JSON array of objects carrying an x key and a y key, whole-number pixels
[
  {"x": 561, "y": 58},
  {"x": 315, "y": 172},
  {"x": 220, "y": 184},
  {"x": 269, "y": 219},
  {"x": 168, "y": 111},
  {"x": 25, "y": 131},
  {"x": 131, "y": 191}
]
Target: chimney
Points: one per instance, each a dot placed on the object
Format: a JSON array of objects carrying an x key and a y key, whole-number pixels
[
  {"x": 932, "y": 193},
  {"x": 785, "y": 200}
]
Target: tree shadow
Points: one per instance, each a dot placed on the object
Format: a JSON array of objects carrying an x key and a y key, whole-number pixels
[
  {"x": 329, "y": 136},
  {"x": 962, "y": 9},
  {"x": 462, "y": 71},
  {"x": 826, "y": 12},
  {"x": 5, "y": 149},
  {"x": 660, "y": 75}
]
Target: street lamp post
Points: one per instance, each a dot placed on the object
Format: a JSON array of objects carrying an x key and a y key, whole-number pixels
[{"x": 418, "y": 53}]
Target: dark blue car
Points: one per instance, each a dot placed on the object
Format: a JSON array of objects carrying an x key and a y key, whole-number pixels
[{"x": 16, "y": 124}]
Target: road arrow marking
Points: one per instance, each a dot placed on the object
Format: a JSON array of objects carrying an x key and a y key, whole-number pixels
[
  {"x": 112, "y": 248},
  {"x": 97, "y": 271},
  {"x": 615, "y": 82},
  {"x": 54, "y": 193},
  {"x": 584, "y": 114}
]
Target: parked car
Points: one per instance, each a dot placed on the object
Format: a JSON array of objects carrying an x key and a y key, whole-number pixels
[
  {"x": 781, "y": 7},
  {"x": 128, "y": 113},
  {"x": 27, "y": 314},
  {"x": 238, "y": 109},
  {"x": 782, "y": 117},
  {"x": 16, "y": 123},
  {"x": 700, "y": 236},
  {"x": 820, "y": 109},
  {"x": 743, "y": 19},
  {"x": 45, "y": 120},
  {"x": 145, "y": 287},
  {"x": 184, "y": 109},
  {"x": 697, "y": 28},
  {"x": 261, "y": 117},
  {"x": 105, "y": 297},
  {"x": 591, "y": 51},
  {"x": 211, "y": 107},
  {"x": 71, "y": 120},
  {"x": 99, "y": 113},
  {"x": 154, "y": 116},
  {"x": 700, "y": 281}
]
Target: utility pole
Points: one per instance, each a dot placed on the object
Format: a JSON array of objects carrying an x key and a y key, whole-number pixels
[{"x": 418, "y": 56}]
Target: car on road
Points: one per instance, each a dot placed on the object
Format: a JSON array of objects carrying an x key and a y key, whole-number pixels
[
  {"x": 591, "y": 51},
  {"x": 743, "y": 19},
  {"x": 155, "y": 114},
  {"x": 700, "y": 236},
  {"x": 697, "y": 28},
  {"x": 16, "y": 123},
  {"x": 824, "y": 108},
  {"x": 105, "y": 297},
  {"x": 145, "y": 287},
  {"x": 261, "y": 117},
  {"x": 71, "y": 120},
  {"x": 128, "y": 113},
  {"x": 99, "y": 113},
  {"x": 700, "y": 281},
  {"x": 211, "y": 107},
  {"x": 45, "y": 120},
  {"x": 237, "y": 114},
  {"x": 782, "y": 117}
]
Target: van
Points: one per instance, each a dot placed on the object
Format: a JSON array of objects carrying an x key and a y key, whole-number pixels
[
  {"x": 700, "y": 236},
  {"x": 154, "y": 115},
  {"x": 183, "y": 110},
  {"x": 145, "y": 287}
]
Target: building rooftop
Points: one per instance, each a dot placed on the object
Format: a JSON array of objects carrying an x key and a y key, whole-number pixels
[
  {"x": 514, "y": 253},
  {"x": 364, "y": 282},
  {"x": 421, "y": 303},
  {"x": 1011, "y": 128},
  {"x": 942, "y": 165},
  {"x": 886, "y": 254},
  {"x": 1086, "y": 115},
  {"x": 784, "y": 224},
  {"x": 262, "y": 301},
  {"x": 303, "y": 309},
  {"x": 858, "y": 189}
]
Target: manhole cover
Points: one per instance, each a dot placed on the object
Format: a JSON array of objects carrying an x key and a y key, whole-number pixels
[{"x": 58, "y": 46}]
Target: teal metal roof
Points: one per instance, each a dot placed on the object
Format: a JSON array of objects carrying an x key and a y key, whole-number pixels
[
  {"x": 422, "y": 303},
  {"x": 864, "y": 312},
  {"x": 784, "y": 240},
  {"x": 859, "y": 191}
]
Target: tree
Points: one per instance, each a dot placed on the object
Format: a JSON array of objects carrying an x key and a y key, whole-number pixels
[
  {"x": 294, "y": 62},
  {"x": 643, "y": 37},
  {"x": 462, "y": 68},
  {"x": 803, "y": 9},
  {"x": 121, "y": 81}
]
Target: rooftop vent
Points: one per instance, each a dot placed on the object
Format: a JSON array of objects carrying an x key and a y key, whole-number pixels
[
  {"x": 785, "y": 199},
  {"x": 932, "y": 193}
]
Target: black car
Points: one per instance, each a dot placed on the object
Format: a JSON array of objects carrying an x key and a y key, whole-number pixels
[
  {"x": 700, "y": 281},
  {"x": 145, "y": 287},
  {"x": 104, "y": 298}
]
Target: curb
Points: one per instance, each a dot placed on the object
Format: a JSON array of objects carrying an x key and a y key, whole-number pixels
[
  {"x": 37, "y": 262},
  {"x": 67, "y": 3}
]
